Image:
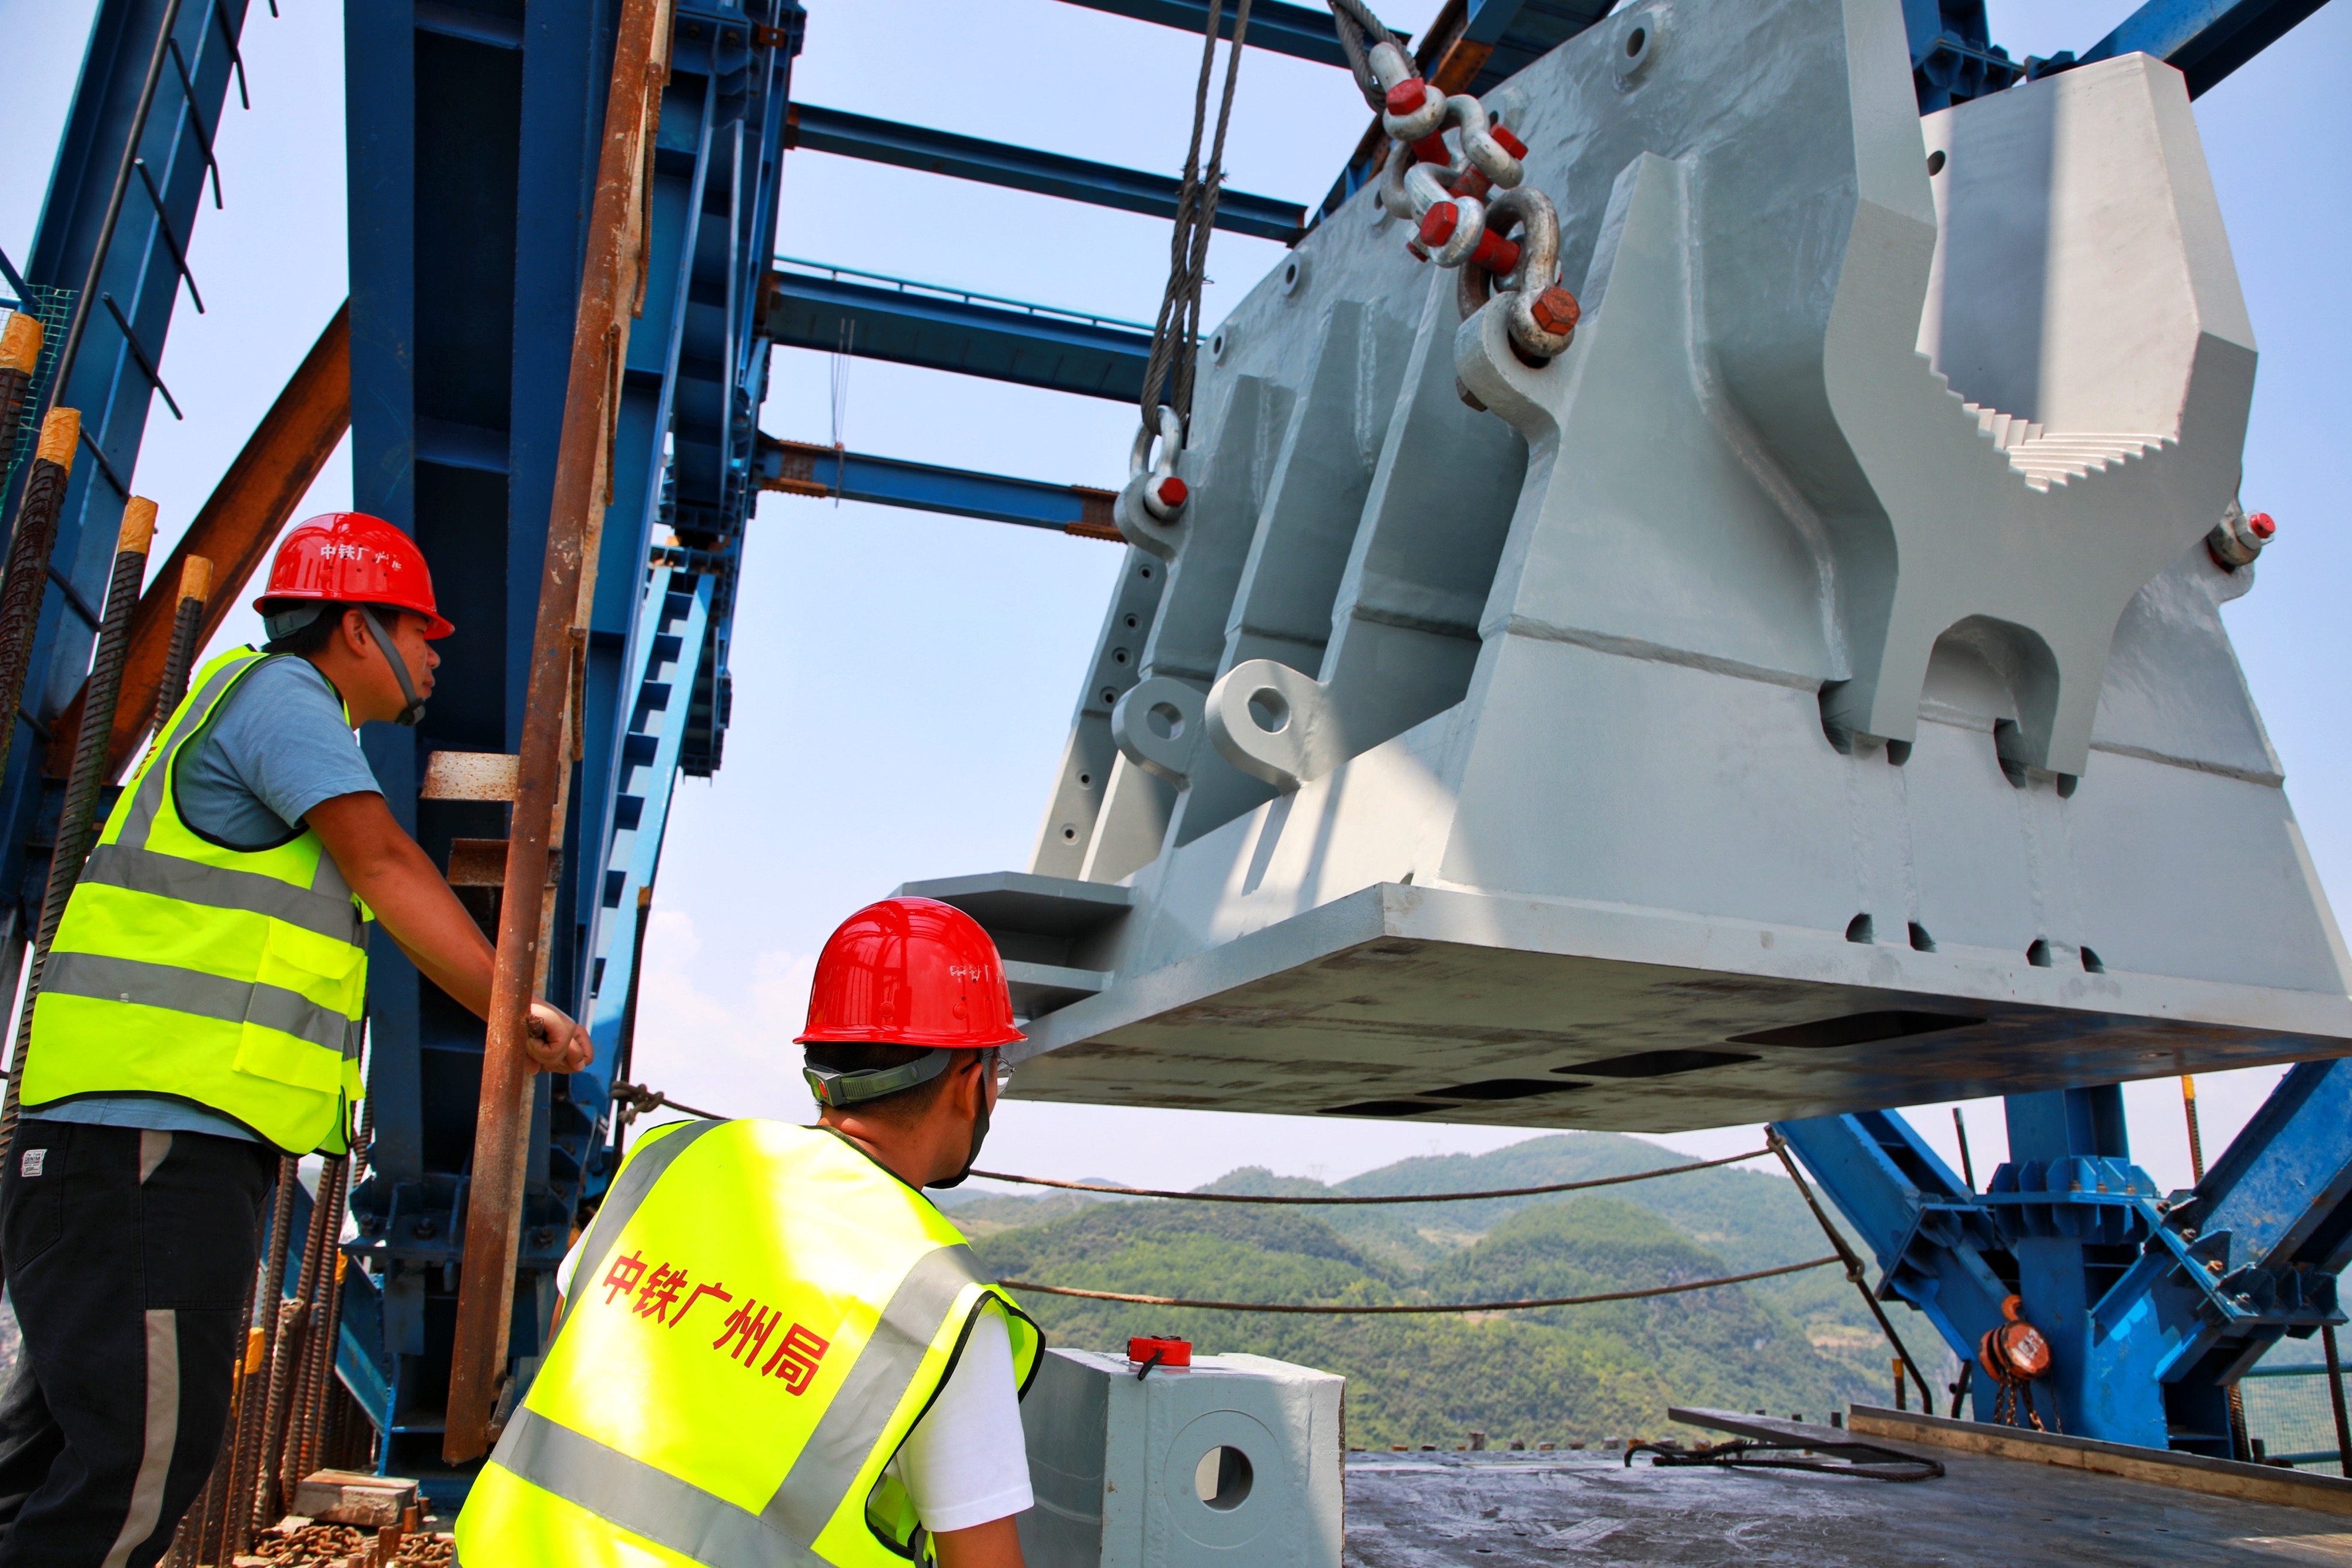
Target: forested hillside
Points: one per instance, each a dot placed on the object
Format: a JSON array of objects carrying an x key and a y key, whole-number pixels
[{"x": 1800, "y": 1344}]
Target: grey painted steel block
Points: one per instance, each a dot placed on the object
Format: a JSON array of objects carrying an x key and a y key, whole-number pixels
[
  {"x": 1806, "y": 694},
  {"x": 1134, "y": 1473}
]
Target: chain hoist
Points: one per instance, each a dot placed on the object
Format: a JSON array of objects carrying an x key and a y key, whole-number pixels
[{"x": 2015, "y": 1354}]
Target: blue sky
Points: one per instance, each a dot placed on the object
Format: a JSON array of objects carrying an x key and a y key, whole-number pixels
[{"x": 903, "y": 682}]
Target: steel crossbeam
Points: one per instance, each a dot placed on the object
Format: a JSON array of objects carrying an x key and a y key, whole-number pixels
[
  {"x": 2204, "y": 40},
  {"x": 877, "y": 317},
  {"x": 802, "y": 469},
  {"x": 846, "y": 135}
]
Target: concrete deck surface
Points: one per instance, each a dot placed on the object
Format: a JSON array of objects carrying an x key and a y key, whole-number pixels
[{"x": 1505, "y": 1510}]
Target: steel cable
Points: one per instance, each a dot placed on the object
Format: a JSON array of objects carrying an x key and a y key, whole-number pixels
[
  {"x": 1405, "y": 1309},
  {"x": 1358, "y": 30},
  {"x": 1176, "y": 330},
  {"x": 1352, "y": 1199}
]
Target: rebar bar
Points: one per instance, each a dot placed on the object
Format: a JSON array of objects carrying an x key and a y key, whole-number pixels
[
  {"x": 236, "y": 1525},
  {"x": 20, "y": 361},
  {"x": 187, "y": 629},
  {"x": 283, "y": 1365},
  {"x": 76, "y": 817},
  {"x": 27, "y": 580},
  {"x": 318, "y": 1353}
]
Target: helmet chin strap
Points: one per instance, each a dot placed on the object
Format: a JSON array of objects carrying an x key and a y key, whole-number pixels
[{"x": 415, "y": 709}]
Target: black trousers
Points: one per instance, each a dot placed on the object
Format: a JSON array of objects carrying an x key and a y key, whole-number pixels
[{"x": 128, "y": 1252}]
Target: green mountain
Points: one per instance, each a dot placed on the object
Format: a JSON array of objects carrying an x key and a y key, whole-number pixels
[{"x": 1802, "y": 1343}]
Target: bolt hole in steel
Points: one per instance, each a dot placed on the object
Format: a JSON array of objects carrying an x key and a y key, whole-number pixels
[
  {"x": 2038, "y": 954},
  {"x": 1920, "y": 941},
  {"x": 1637, "y": 41},
  {"x": 1899, "y": 752},
  {"x": 1858, "y": 929},
  {"x": 1166, "y": 719},
  {"x": 1069, "y": 834},
  {"x": 1641, "y": 46},
  {"x": 1110, "y": 694},
  {"x": 2091, "y": 963},
  {"x": 1223, "y": 1477},
  {"x": 1294, "y": 273},
  {"x": 1935, "y": 163},
  {"x": 1268, "y": 711},
  {"x": 1118, "y": 655},
  {"x": 1086, "y": 781},
  {"x": 1217, "y": 348},
  {"x": 1132, "y": 622}
]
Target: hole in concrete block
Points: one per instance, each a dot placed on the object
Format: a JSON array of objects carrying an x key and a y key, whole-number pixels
[
  {"x": 1920, "y": 941},
  {"x": 1656, "y": 1063},
  {"x": 2090, "y": 962},
  {"x": 1855, "y": 1028},
  {"x": 2038, "y": 954},
  {"x": 1223, "y": 1477},
  {"x": 1859, "y": 929}
]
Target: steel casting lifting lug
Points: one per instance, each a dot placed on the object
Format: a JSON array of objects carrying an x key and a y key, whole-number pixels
[{"x": 1164, "y": 494}]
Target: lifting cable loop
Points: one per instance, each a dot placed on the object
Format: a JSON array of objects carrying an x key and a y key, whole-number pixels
[
  {"x": 1167, "y": 398},
  {"x": 1415, "y": 1309}
]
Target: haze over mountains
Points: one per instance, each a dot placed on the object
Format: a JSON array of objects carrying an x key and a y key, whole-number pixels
[{"x": 1798, "y": 1343}]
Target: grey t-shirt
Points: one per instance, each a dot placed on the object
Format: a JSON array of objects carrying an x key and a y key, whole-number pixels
[{"x": 278, "y": 747}]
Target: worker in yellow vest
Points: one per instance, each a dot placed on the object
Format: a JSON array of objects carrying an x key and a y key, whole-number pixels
[
  {"x": 773, "y": 1349},
  {"x": 199, "y": 1017}
]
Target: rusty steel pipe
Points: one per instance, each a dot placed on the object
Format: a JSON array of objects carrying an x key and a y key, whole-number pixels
[
  {"x": 20, "y": 361},
  {"x": 615, "y": 258},
  {"x": 76, "y": 819}
]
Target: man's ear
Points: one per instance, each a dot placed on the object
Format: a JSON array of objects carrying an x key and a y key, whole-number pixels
[{"x": 355, "y": 631}]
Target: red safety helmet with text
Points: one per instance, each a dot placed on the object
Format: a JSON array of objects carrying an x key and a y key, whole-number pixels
[
  {"x": 910, "y": 971},
  {"x": 351, "y": 557}
]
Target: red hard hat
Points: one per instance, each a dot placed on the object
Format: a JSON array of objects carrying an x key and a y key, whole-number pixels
[
  {"x": 350, "y": 558},
  {"x": 910, "y": 971}
]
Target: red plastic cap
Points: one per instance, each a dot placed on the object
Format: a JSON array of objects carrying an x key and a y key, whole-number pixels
[
  {"x": 2262, "y": 524},
  {"x": 1408, "y": 96},
  {"x": 1170, "y": 1352},
  {"x": 910, "y": 971},
  {"x": 1438, "y": 223},
  {"x": 351, "y": 557},
  {"x": 1173, "y": 491}
]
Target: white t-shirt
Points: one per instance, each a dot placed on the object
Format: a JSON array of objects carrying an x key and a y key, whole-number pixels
[{"x": 966, "y": 1462}]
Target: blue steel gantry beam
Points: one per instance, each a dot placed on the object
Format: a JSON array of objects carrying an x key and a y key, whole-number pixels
[
  {"x": 2154, "y": 1305},
  {"x": 1301, "y": 31},
  {"x": 802, "y": 469},
  {"x": 838, "y": 310},
  {"x": 917, "y": 146},
  {"x": 2205, "y": 41}
]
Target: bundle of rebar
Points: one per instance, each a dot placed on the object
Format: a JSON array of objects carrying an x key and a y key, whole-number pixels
[
  {"x": 76, "y": 819},
  {"x": 27, "y": 576}
]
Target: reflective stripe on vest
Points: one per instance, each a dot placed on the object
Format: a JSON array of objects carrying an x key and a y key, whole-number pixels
[
  {"x": 232, "y": 979},
  {"x": 574, "y": 1469}
]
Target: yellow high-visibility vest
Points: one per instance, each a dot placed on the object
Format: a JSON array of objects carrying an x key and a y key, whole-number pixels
[
  {"x": 759, "y": 1316},
  {"x": 233, "y": 979}
]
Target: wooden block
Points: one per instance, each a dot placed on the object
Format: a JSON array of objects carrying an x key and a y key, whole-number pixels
[{"x": 470, "y": 776}]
